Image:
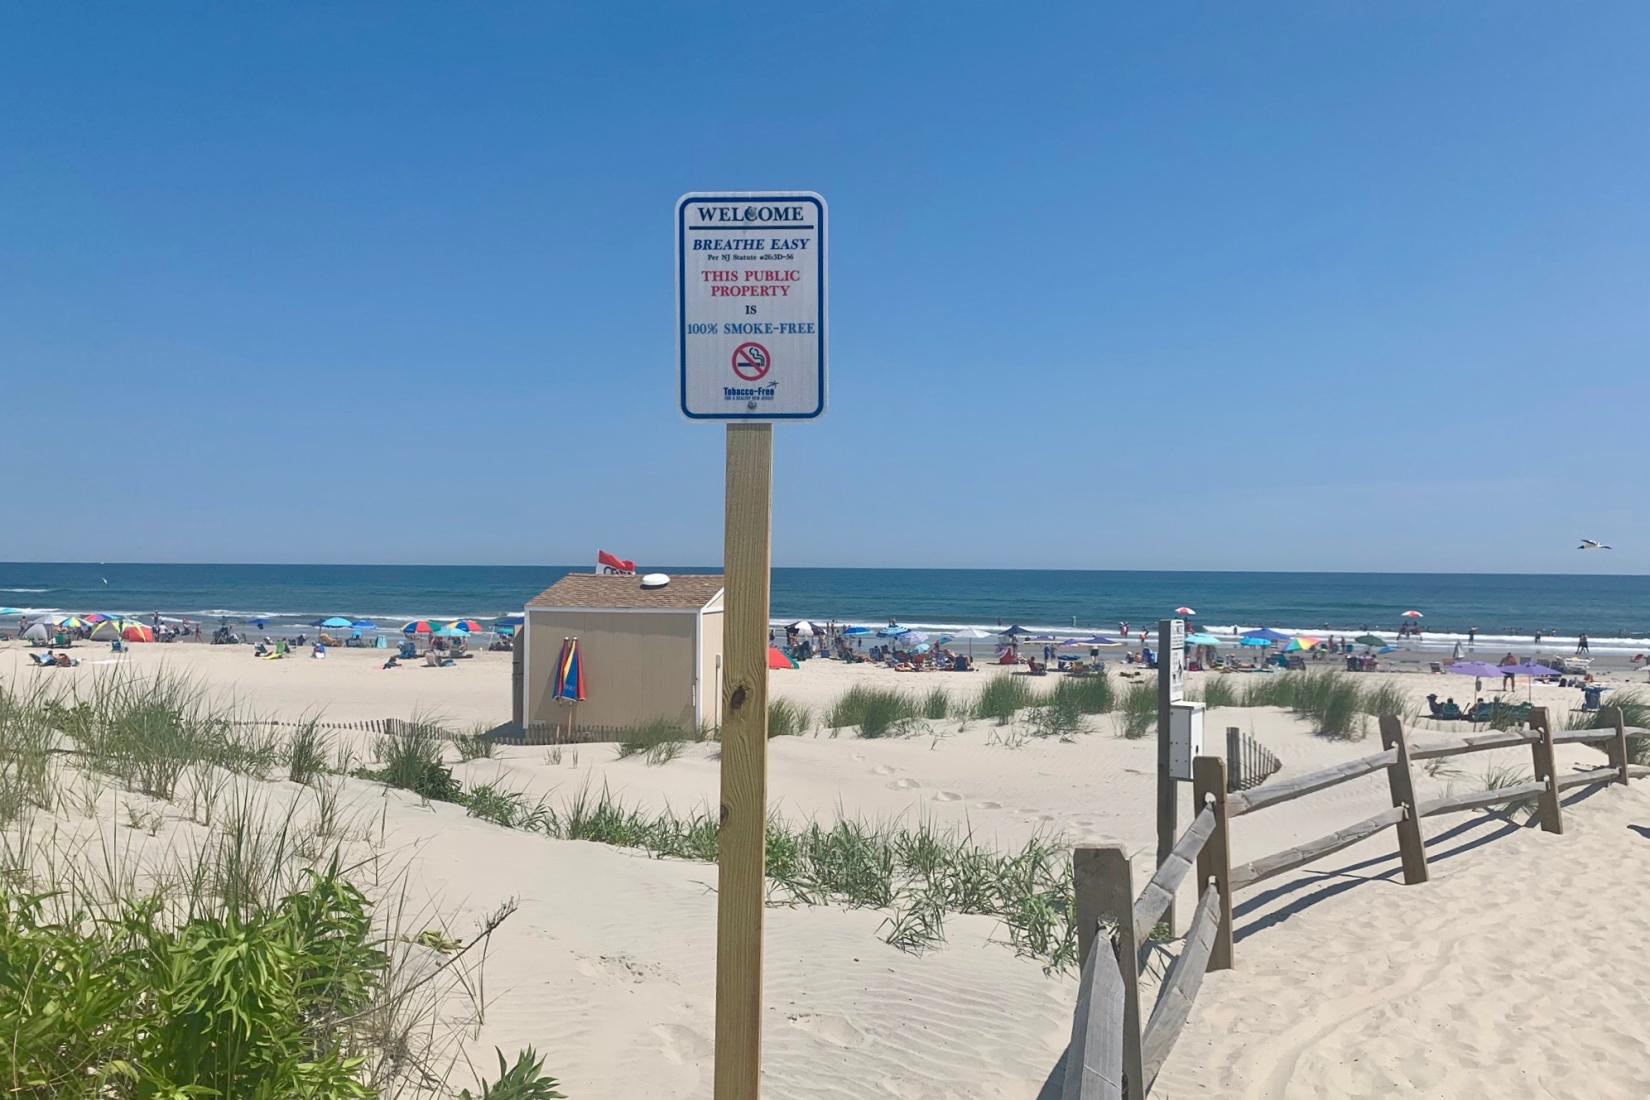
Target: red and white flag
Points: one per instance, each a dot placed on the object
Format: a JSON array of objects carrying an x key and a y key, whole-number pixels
[{"x": 615, "y": 566}]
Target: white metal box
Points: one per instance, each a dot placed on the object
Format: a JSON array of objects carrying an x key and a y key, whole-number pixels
[{"x": 1185, "y": 738}]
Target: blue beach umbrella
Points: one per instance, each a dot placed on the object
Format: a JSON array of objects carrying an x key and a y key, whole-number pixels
[
  {"x": 1202, "y": 639},
  {"x": 364, "y": 624},
  {"x": 335, "y": 622},
  {"x": 1256, "y": 642},
  {"x": 855, "y": 630}
]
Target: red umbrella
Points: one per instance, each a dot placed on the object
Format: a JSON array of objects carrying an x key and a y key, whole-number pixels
[
  {"x": 1184, "y": 611},
  {"x": 1413, "y": 615},
  {"x": 778, "y": 659}
]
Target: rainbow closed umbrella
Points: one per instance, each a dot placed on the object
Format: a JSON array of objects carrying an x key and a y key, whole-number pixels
[{"x": 569, "y": 673}]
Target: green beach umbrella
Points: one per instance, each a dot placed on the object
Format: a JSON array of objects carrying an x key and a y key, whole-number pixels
[{"x": 1369, "y": 640}]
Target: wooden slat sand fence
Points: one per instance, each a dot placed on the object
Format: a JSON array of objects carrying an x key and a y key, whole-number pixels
[
  {"x": 1248, "y": 762},
  {"x": 1113, "y": 1055}
]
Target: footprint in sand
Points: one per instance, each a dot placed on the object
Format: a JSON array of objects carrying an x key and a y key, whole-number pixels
[
  {"x": 989, "y": 805},
  {"x": 833, "y": 1029},
  {"x": 947, "y": 796},
  {"x": 882, "y": 769},
  {"x": 903, "y": 784},
  {"x": 683, "y": 1044}
]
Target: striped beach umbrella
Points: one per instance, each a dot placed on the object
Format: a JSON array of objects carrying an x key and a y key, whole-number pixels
[
  {"x": 1301, "y": 644},
  {"x": 468, "y": 626},
  {"x": 421, "y": 626},
  {"x": 98, "y": 617},
  {"x": 570, "y": 672}
]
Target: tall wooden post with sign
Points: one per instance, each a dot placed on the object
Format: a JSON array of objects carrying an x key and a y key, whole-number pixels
[
  {"x": 750, "y": 302},
  {"x": 1171, "y": 679}
]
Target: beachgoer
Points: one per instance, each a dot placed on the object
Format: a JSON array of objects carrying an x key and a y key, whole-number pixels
[
  {"x": 1581, "y": 644},
  {"x": 1472, "y": 636},
  {"x": 1538, "y": 637}
]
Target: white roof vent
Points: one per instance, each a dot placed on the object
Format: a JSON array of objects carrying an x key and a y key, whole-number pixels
[{"x": 655, "y": 580}]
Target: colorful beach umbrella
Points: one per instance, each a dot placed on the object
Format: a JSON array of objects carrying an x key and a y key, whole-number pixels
[
  {"x": 1184, "y": 611},
  {"x": 1301, "y": 644},
  {"x": 778, "y": 658},
  {"x": 570, "y": 672},
  {"x": 98, "y": 617},
  {"x": 1413, "y": 614},
  {"x": 468, "y": 626},
  {"x": 421, "y": 626}
]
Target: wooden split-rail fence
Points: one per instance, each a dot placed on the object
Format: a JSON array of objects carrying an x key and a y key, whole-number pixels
[{"x": 1113, "y": 1055}]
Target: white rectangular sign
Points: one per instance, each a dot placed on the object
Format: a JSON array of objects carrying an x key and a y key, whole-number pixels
[
  {"x": 750, "y": 305},
  {"x": 1176, "y": 658}
]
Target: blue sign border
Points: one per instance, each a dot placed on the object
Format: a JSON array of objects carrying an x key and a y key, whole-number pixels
[{"x": 681, "y": 296}]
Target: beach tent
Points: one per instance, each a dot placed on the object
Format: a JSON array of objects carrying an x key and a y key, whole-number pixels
[
  {"x": 137, "y": 632},
  {"x": 1266, "y": 634},
  {"x": 38, "y": 632},
  {"x": 778, "y": 658}
]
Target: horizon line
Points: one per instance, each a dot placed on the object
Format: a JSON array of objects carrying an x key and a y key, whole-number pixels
[{"x": 880, "y": 568}]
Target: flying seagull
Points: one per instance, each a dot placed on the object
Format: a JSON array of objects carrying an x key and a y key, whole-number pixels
[{"x": 1591, "y": 544}]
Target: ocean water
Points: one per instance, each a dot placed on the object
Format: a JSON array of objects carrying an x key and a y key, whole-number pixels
[{"x": 1613, "y": 610}]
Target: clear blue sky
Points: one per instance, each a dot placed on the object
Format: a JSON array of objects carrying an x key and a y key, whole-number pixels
[{"x": 1347, "y": 285}]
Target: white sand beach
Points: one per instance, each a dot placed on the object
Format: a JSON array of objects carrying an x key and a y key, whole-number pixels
[{"x": 1501, "y": 976}]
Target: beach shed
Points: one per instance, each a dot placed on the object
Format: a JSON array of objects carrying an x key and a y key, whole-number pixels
[{"x": 650, "y": 651}]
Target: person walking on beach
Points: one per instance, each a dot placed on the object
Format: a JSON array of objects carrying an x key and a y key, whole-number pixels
[
  {"x": 1472, "y": 636},
  {"x": 1581, "y": 644}
]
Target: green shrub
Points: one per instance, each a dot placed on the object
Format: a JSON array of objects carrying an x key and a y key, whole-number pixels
[
  {"x": 1139, "y": 710},
  {"x": 525, "y": 1080},
  {"x": 1002, "y": 697},
  {"x": 1091, "y": 693},
  {"x": 876, "y": 711},
  {"x": 787, "y": 719},
  {"x": 230, "y": 1004}
]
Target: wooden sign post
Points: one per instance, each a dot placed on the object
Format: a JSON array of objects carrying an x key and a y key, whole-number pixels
[
  {"x": 1171, "y": 677},
  {"x": 742, "y": 848},
  {"x": 750, "y": 312}
]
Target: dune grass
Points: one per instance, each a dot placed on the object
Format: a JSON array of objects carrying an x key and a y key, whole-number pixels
[
  {"x": 1634, "y": 704},
  {"x": 788, "y": 719},
  {"x": 1060, "y": 718},
  {"x": 877, "y": 712},
  {"x": 657, "y": 742},
  {"x": 937, "y": 704},
  {"x": 245, "y": 961},
  {"x": 1089, "y": 694},
  {"x": 1138, "y": 710},
  {"x": 1218, "y": 691},
  {"x": 1339, "y": 704},
  {"x": 1002, "y": 697}
]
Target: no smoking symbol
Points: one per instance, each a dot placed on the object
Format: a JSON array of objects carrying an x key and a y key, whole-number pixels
[{"x": 751, "y": 362}]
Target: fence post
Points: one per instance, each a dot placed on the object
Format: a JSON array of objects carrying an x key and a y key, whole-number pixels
[
  {"x": 1401, "y": 782},
  {"x": 1546, "y": 770},
  {"x": 1214, "y": 862},
  {"x": 1234, "y": 758},
  {"x": 1617, "y": 749},
  {"x": 1104, "y": 888}
]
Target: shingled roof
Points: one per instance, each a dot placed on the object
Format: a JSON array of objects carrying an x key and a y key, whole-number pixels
[{"x": 597, "y": 591}]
